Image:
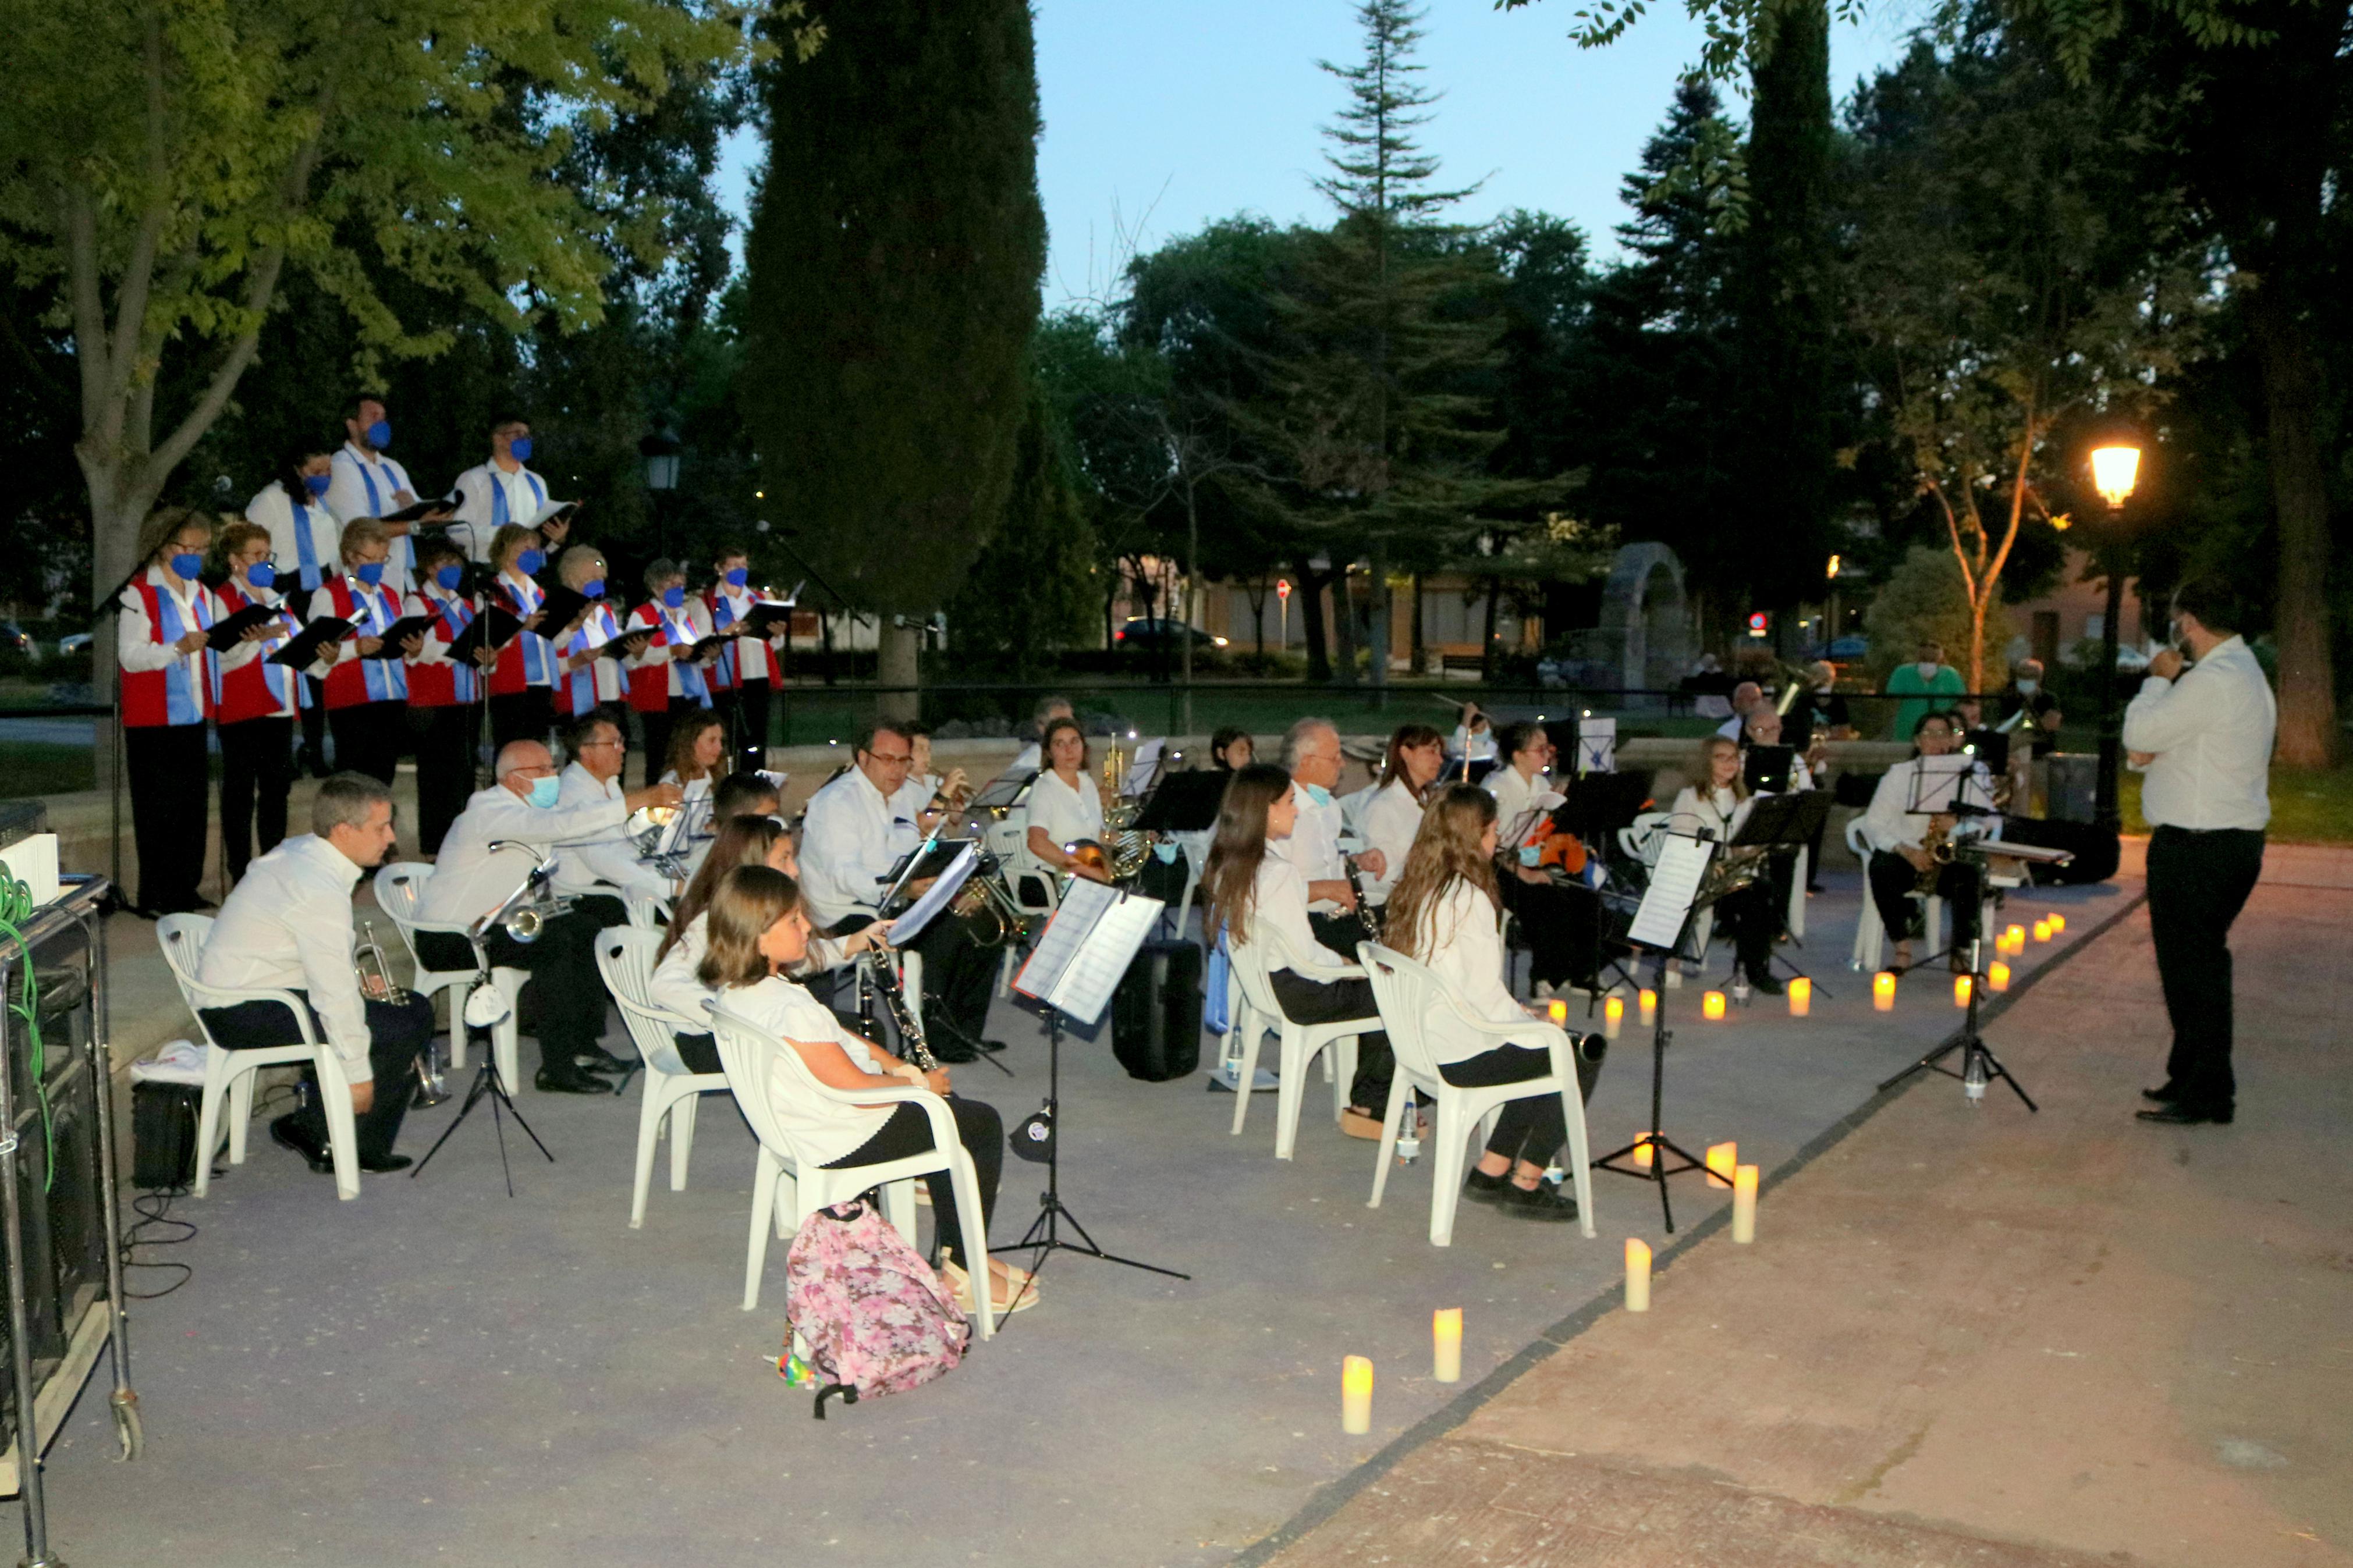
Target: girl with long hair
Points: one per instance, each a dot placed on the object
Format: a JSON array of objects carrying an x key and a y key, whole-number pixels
[
  {"x": 1417, "y": 754},
  {"x": 1247, "y": 890},
  {"x": 696, "y": 748},
  {"x": 759, "y": 931},
  {"x": 1064, "y": 804},
  {"x": 1716, "y": 805},
  {"x": 1447, "y": 913}
]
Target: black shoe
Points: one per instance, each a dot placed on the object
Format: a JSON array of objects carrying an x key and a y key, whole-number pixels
[
  {"x": 569, "y": 1080},
  {"x": 384, "y": 1165},
  {"x": 1481, "y": 1188},
  {"x": 1766, "y": 985},
  {"x": 992, "y": 1047},
  {"x": 2165, "y": 1095},
  {"x": 2179, "y": 1115},
  {"x": 287, "y": 1134},
  {"x": 955, "y": 1053},
  {"x": 596, "y": 1059},
  {"x": 1544, "y": 1202}
]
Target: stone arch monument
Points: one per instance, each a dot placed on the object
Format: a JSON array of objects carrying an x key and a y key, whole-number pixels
[{"x": 1645, "y": 628}]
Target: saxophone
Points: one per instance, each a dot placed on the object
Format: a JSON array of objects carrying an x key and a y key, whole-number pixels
[{"x": 1937, "y": 843}]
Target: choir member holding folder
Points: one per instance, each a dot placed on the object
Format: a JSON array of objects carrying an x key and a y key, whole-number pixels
[
  {"x": 588, "y": 669},
  {"x": 444, "y": 690},
  {"x": 255, "y": 702},
  {"x": 523, "y": 682},
  {"x": 305, "y": 536},
  {"x": 505, "y": 492},
  {"x": 667, "y": 682},
  {"x": 367, "y": 685},
  {"x": 166, "y": 620}
]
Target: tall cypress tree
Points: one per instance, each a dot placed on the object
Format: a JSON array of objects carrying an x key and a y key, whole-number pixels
[{"x": 894, "y": 260}]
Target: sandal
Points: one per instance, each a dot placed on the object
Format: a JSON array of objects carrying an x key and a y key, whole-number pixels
[{"x": 1019, "y": 1289}]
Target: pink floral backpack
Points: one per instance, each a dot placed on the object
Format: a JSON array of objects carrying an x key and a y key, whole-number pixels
[{"x": 876, "y": 1318}]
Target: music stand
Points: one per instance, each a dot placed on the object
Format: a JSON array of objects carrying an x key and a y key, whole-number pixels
[
  {"x": 1077, "y": 962},
  {"x": 1677, "y": 892},
  {"x": 488, "y": 1083},
  {"x": 1954, "y": 784},
  {"x": 1979, "y": 1066},
  {"x": 1780, "y": 823},
  {"x": 1600, "y": 805}
]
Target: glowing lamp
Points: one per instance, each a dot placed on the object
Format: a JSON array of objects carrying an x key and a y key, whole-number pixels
[
  {"x": 1446, "y": 1343},
  {"x": 1962, "y": 985},
  {"x": 1711, "y": 1007},
  {"x": 2041, "y": 930},
  {"x": 1722, "y": 1160},
  {"x": 2114, "y": 470},
  {"x": 1613, "y": 1018},
  {"x": 1801, "y": 997},
  {"x": 1997, "y": 976},
  {"x": 1558, "y": 1012},
  {"x": 1650, "y": 1000},
  {"x": 2058, "y": 922}
]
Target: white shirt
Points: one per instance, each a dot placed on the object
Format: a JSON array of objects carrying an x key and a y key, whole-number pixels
[
  {"x": 471, "y": 529},
  {"x": 1887, "y": 826},
  {"x": 134, "y": 643},
  {"x": 850, "y": 839},
  {"x": 678, "y": 989},
  {"x": 1030, "y": 757},
  {"x": 608, "y": 861},
  {"x": 274, "y": 510},
  {"x": 1392, "y": 818},
  {"x": 1721, "y": 813},
  {"x": 347, "y": 495},
  {"x": 1513, "y": 794},
  {"x": 1280, "y": 900},
  {"x": 1462, "y": 941},
  {"x": 822, "y": 1130},
  {"x": 1067, "y": 814},
  {"x": 468, "y": 881},
  {"x": 1470, "y": 748},
  {"x": 287, "y": 926},
  {"x": 2211, "y": 729},
  {"x": 1313, "y": 847}
]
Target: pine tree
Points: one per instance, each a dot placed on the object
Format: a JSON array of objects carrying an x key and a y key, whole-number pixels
[{"x": 894, "y": 257}]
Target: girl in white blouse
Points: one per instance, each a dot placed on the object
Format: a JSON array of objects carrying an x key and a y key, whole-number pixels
[
  {"x": 1064, "y": 805},
  {"x": 1247, "y": 890},
  {"x": 758, "y": 932},
  {"x": 1447, "y": 913},
  {"x": 1416, "y": 753},
  {"x": 1716, "y": 808}
]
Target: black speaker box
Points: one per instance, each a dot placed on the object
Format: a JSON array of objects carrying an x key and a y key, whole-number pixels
[{"x": 1156, "y": 1014}]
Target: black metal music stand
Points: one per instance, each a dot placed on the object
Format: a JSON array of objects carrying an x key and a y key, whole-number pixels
[
  {"x": 1979, "y": 1067},
  {"x": 486, "y": 1086},
  {"x": 1775, "y": 824}
]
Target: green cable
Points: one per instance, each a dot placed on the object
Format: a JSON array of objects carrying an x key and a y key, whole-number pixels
[{"x": 15, "y": 906}]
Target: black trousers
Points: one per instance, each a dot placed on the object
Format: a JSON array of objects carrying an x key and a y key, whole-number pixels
[
  {"x": 565, "y": 995},
  {"x": 1892, "y": 881},
  {"x": 909, "y": 1133},
  {"x": 699, "y": 1052},
  {"x": 525, "y": 715},
  {"x": 2198, "y": 883},
  {"x": 446, "y": 739},
  {"x": 369, "y": 737},
  {"x": 170, "y": 776},
  {"x": 314, "y": 728},
  {"x": 746, "y": 710},
  {"x": 257, "y": 772},
  {"x": 1305, "y": 1000},
  {"x": 1532, "y": 1129},
  {"x": 397, "y": 1032},
  {"x": 1560, "y": 925},
  {"x": 959, "y": 975},
  {"x": 1754, "y": 916}
]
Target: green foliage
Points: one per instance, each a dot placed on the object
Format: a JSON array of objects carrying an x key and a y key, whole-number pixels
[
  {"x": 894, "y": 263},
  {"x": 1923, "y": 598},
  {"x": 1032, "y": 588}
]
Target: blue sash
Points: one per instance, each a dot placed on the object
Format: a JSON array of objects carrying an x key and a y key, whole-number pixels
[
  {"x": 679, "y": 632},
  {"x": 538, "y": 661},
  {"x": 457, "y": 615},
  {"x": 183, "y": 702},
  {"x": 499, "y": 518},
  {"x": 387, "y": 678},
  {"x": 580, "y": 684},
  {"x": 306, "y": 550}
]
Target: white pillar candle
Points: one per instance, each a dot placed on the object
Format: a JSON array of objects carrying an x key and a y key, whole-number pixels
[
  {"x": 1723, "y": 1159},
  {"x": 1446, "y": 1343},
  {"x": 1613, "y": 1018},
  {"x": 1743, "y": 1204},
  {"x": 1356, "y": 1396},
  {"x": 1801, "y": 997},
  {"x": 1638, "y": 1275}
]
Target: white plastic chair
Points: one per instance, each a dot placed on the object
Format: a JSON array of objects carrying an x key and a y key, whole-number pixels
[
  {"x": 750, "y": 1054},
  {"x": 624, "y": 957},
  {"x": 646, "y": 912},
  {"x": 1414, "y": 1002},
  {"x": 229, "y": 1075},
  {"x": 399, "y": 889},
  {"x": 1870, "y": 930},
  {"x": 1641, "y": 840},
  {"x": 1253, "y": 962}
]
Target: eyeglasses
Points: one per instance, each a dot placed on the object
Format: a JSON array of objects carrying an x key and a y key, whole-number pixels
[
  {"x": 586, "y": 744},
  {"x": 902, "y": 760}
]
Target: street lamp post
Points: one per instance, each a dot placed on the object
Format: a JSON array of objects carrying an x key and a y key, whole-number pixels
[
  {"x": 660, "y": 452},
  {"x": 2115, "y": 471}
]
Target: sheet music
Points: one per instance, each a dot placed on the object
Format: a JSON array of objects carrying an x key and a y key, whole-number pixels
[
  {"x": 1963, "y": 782},
  {"x": 910, "y": 926},
  {"x": 1086, "y": 949},
  {"x": 1597, "y": 746},
  {"x": 1674, "y": 881},
  {"x": 1140, "y": 769}
]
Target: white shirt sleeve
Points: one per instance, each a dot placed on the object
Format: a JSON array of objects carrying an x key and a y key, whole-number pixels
[
  {"x": 1886, "y": 825},
  {"x": 135, "y": 642},
  {"x": 607, "y": 858},
  {"x": 676, "y": 988}
]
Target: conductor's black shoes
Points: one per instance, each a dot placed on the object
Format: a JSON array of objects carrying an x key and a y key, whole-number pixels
[{"x": 2179, "y": 1115}]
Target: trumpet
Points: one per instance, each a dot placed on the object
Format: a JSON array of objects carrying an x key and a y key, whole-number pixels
[
  {"x": 377, "y": 985},
  {"x": 987, "y": 905},
  {"x": 524, "y": 912}
]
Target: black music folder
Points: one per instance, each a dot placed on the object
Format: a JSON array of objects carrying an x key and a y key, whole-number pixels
[
  {"x": 399, "y": 632},
  {"x": 418, "y": 512},
  {"x": 562, "y": 607},
  {"x": 493, "y": 628},
  {"x": 301, "y": 649},
  {"x": 229, "y": 630}
]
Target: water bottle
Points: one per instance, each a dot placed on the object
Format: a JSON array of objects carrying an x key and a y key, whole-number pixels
[
  {"x": 1740, "y": 991},
  {"x": 1409, "y": 1144},
  {"x": 1973, "y": 1078}
]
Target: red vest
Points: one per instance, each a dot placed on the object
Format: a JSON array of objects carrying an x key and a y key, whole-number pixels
[
  {"x": 348, "y": 680},
  {"x": 525, "y": 662},
  {"x": 746, "y": 659},
  {"x": 252, "y": 689},
  {"x": 152, "y": 699},
  {"x": 435, "y": 684}
]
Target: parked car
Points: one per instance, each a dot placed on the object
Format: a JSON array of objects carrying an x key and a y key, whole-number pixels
[
  {"x": 1146, "y": 632},
  {"x": 1841, "y": 650}
]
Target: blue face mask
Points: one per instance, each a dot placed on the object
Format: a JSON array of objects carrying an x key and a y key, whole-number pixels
[
  {"x": 543, "y": 793},
  {"x": 673, "y": 597},
  {"x": 520, "y": 448},
  {"x": 379, "y": 434},
  {"x": 593, "y": 588},
  {"x": 448, "y": 576},
  {"x": 372, "y": 574},
  {"x": 529, "y": 562},
  {"x": 1531, "y": 853},
  {"x": 261, "y": 574},
  {"x": 185, "y": 567},
  {"x": 317, "y": 484},
  {"x": 738, "y": 575},
  {"x": 1318, "y": 794}
]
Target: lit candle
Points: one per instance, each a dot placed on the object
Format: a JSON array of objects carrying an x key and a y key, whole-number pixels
[
  {"x": 1882, "y": 991},
  {"x": 2042, "y": 931},
  {"x": 1743, "y": 1204},
  {"x": 1356, "y": 1396},
  {"x": 1723, "y": 1159},
  {"x": 1801, "y": 997},
  {"x": 2014, "y": 942},
  {"x": 1638, "y": 1275},
  {"x": 1446, "y": 1340},
  {"x": 2058, "y": 922},
  {"x": 1558, "y": 1012},
  {"x": 1650, "y": 1007},
  {"x": 1613, "y": 1018},
  {"x": 1643, "y": 1151},
  {"x": 1997, "y": 976},
  {"x": 1711, "y": 1007},
  {"x": 1961, "y": 990}
]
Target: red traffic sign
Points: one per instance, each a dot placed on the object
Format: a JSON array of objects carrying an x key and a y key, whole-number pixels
[{"x": 1282, "y": 587}]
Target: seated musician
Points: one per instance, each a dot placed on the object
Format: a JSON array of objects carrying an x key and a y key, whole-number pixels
[
  {"x": 1559, "y": 921},
  {"x": 943, "y": 796},
  {"x": 1048, "y": 708},
  {"x": 1065, "y": 807},
  {"x": 1232, "y": 749},
  {"x": 287, "y": 926},
  {"x": 1899, "y": 836},
  {"x": 1311, "y": 751},
  {"x": 698, "y": 745},
  {"x": 1475, "y": 736},
  {"x": 741, "y": 841},
  {"x": 1447, "y": 913},
  {"x": 1248, "y": 880},
  {"x": 1716, "y": 808},
  {"x": 600, "y": 874},
  {"x": 1393, "y": 816},
  {"x": 759, "y": 928},
  {"x": 470, "y": 881},
  {"x": 858, "y": 827},
  {"x": 1746, "y": 697}
]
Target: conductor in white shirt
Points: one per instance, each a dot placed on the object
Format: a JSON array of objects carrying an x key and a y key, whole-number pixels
[
  {"x": 2202, "y": 739},
  {"x": 287, "y": 926},
  {"x": 604, "y": 872}
]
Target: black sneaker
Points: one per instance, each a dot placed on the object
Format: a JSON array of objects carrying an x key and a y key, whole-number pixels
[
  {"x": 1481, "y": 1188},
  {"x": 569, "y": 1080},
  {"x": 1544, "y": 1202},
  {"x": 1766, "y": 985}
]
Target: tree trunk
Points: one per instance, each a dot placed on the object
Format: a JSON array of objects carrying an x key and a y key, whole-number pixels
[
  {"x": 1379, "y": 640},
  {"x": 2292, "y": 393},
  {"x": 1310, "y": 595},
  {"x": 1343, "y": 628},
  {"x": 1420, "y": 642},
  {"x": 898, "y": 660}
]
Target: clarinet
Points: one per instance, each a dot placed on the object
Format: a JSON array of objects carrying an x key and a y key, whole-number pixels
[
  {"x": 1366, "y": 911},
  {"x": 880, "y": 978}
]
